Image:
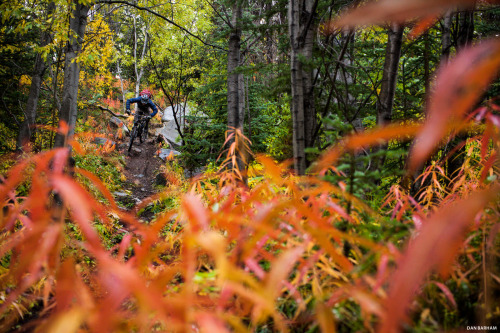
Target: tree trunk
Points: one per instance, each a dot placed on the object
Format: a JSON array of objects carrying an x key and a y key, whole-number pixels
[
  {"x": 388, "y": 86},
  {"x": 466, "y": 28},
  {"x": 456, "y": 160},
  {"x": 139, "y": 69},
  {"x": 235, "y": 85},
  {"x": 446, "y": 36},
  {"x": 300, "y": 27},
  {"x": 119, "y": 72},
  {"x": 26, "y": 130},
  {"x": 427, "y": 70},
  {"x": 241, "y": 101},
  {"x": 233, "y": 78},
  {"x": 68, "y": 112},
  {"x": 390, "y": 74},
  {"x": 56, "y": 103},
  {"x": 247, "y": 103}
]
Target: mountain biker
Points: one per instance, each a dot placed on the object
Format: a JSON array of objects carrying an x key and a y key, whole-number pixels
[{"x": 144, "y": 103}]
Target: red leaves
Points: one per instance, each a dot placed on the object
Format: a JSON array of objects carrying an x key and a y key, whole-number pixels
[
  {"x": 195, "y": 212},
  {"x": 446, "y": 292},
  {"x": 458, "y": 87}
]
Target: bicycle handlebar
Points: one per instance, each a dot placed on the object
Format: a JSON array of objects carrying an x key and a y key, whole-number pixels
[{"x": 141, "y": 115}]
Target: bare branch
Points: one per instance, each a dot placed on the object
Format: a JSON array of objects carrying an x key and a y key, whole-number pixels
[
  {"x": 216, "y": 12},
  {"x": 114, "y": 114}
]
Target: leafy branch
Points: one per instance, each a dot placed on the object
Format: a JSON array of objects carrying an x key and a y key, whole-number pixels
[{"x": 163, "y": 18}]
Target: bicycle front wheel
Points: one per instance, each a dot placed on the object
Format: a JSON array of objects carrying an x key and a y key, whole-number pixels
[
  {"x": 132, "y": 137},
  {"x": 144, "y": 134}
]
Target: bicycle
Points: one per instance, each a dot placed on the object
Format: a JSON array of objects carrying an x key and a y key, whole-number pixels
[{"x": 139, "y": 130}]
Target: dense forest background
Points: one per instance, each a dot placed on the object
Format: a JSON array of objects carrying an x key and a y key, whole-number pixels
[{"x": 346, "y": 156}]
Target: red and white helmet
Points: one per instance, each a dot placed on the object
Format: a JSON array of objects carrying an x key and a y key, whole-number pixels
[
  {"x": 146, "y": 92},
  {"x": 145, "y": 96}
]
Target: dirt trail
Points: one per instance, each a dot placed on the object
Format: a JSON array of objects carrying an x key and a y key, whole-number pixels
[{"x": 141, "y": 169}]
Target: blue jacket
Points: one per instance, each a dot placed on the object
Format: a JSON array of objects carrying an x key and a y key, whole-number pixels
[{"x": 143, "y": 108}]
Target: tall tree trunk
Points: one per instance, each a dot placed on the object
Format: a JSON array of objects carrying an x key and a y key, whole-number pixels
[
  {"x": 427, "y": 70},
  {"x": 247, "y": 103},
  {"x": 26, "y": 130},
  {"x": 119, "y": 72},
  {"x": 465, "y": 28},
  {"x": 241, "y": 100},
  {"x": 269, "y": 38},
  {"x": 446, "y": 36},
  {"x": 139, "y": 69},
  {"x": 388, "y": 85},
  {"x": 68, "y": 112},
  {"x": 465, "y": 37},
  {"x": 233, "y": 61},
  {"x": 301, "y": 32},
  {"x": 390, "y": 74},
  {"x": 56, "y": 103},
  {"x": 235, "y": 84}
]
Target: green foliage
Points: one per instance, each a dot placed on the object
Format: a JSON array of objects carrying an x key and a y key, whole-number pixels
[
  {"x": 356, "y": 170},
  {"x": 204, "y": 134},
  {"x": 108, "y": 169},
  {"x": 278, "y": 140},
  {"x": 16, "y": 65}
]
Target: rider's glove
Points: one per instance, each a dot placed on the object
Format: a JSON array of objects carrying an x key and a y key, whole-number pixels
[
  {"x": 127, "y": 111},
  {"x": 148, "y": 117}
]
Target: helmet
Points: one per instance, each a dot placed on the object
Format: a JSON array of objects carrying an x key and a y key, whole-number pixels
[{"x": 145, "y": 96}]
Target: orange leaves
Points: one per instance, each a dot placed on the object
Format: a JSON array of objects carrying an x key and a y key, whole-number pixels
[
  {"x": 280, "y": 271},
  {"x": 458, "y": 87},
  {"x": 209, "y": 324},
  {"x": 325, "y": 318},
  {"x": 365, "y": 139},
  {"x": 379, "y": 12},
  {"x": 70, "y": 289},
  {"x": 242, "y": 254},
  {"x": 104, "y": 191},
  {"x": 80, "y": 203},
  {"x": 422, "y": 26},
  {"x": 283, "y": 220},
  {"x": 433, "y": 249},
  {"x": 232, "y": 257},
  {"x": 237, "y": 152},
  {"x": 271, "y": 168},
  {"x": 65, "y": 322},
  {"x": 171, "y": 156},
  {"x": 37, "y": 239}
]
